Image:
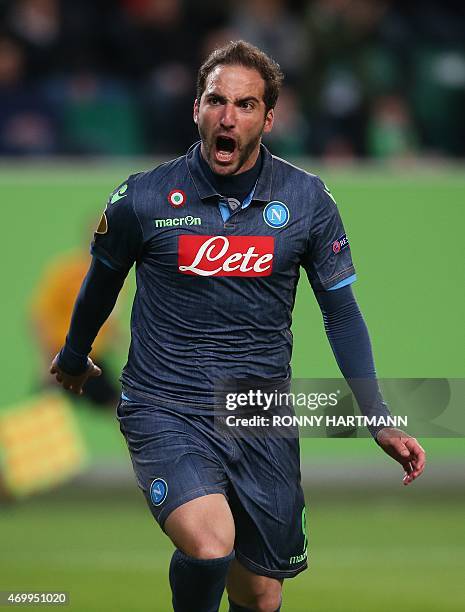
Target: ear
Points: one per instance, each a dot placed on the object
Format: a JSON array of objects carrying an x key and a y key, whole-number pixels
[
  {"x": 269, "y": 121},
  {"x": 196, "y": 111}
]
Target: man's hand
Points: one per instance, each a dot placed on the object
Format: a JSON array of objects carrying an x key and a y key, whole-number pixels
[
  {"x": 404, "y": 449},
  {"x": 74, "y": 384}
]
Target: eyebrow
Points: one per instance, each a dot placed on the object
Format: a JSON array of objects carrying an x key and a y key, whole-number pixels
[{"x": 240, "y": 101}]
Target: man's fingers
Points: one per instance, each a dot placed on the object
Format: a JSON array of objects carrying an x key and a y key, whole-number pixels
[
  {"x": 418, "y": 456},
  {"x": 53, "y": 366},
  {"x": 96, "y": 371},
  {"x": 416, "y": 449},
  {"x": 410, "y": 455},
  {"x": 412, "y": 444},
  {"x": 74, "y": 384},
  {"x": 409, "y": 475},
  {"x": 418, "y": 469},
  {"x": 69, "y": 384},
  {"x": 398, "y": 446},
  {"x": 419, "y": 462},
  {"x": 404, "y": 449}
]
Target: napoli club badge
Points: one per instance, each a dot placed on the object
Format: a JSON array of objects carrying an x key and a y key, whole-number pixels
[
  {"x": 276, "y": 214},
  {"x": 177, "y": 198},
  {"x": 158, "y": 491}
]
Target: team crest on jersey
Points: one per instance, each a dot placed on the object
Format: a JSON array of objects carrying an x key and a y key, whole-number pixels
[
  {"x": 340, "y": 243},
  {"x": 158, "y": 491},
  {"x": 177, "y": 198},
  {"x": 276, "y": 214}
]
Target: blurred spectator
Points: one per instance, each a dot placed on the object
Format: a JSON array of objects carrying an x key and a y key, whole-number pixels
[
  {"x": 119, "y": 77},
  {"x": 336, "y": 95},
  {"x": 428, "y": 39},
  {"x": 291, "y": 130},
  {"x": 273, "y": 27},
  {"x": 391, "y": 133},
  {"x": 37, "y": 26},
  {"x": 162, "y": 56},
  {"x": 51, "y": 309},
  {"x": 339, "y": 118},
  {"x": 215, "y": 39},
  {"x": 99, "y": 116},
  {"x": 160, "y": 35},
  {"x": 438, "y": 98},
  {"x": 28, "y": 125}
]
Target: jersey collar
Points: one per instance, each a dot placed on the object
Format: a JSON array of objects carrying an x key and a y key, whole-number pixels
[{"x": 205, "y": 190}]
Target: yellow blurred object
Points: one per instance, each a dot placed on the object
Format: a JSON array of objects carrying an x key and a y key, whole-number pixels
[
  {"x": 40, "y": 445},
  {"x": 53, "y": 303}
]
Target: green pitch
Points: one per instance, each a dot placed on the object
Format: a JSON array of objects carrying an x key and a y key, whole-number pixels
[{"x": 380, "y": 552}]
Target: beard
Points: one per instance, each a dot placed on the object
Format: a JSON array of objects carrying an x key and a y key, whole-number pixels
[{"x": 244, "y": 151}]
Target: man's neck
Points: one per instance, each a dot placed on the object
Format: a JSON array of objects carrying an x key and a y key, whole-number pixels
[{"x": 233, "y": 185}]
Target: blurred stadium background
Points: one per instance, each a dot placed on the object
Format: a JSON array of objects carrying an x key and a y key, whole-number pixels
[{"x": 373, "y": 102}]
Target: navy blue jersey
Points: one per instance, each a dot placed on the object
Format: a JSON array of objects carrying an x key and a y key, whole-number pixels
[{"x": 215, "y": 295}]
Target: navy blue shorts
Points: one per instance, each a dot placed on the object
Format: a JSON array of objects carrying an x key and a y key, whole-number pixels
[{"x": 178, "y": 457}]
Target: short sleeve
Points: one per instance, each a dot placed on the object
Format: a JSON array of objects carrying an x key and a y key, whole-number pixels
[
  {"x": 328, "y": 259},
  {"x": 118, "y": 239}
]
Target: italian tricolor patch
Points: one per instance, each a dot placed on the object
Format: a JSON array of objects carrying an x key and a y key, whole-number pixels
[{"x": 177, "y": 198}]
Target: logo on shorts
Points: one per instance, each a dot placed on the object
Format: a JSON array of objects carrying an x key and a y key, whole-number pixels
[
  {"x": 340, "y": 243},
  {"x": 177, "y": 198},
  {"x": 276, "y": 214},
  {"x": 158, "y": 491},
  {"x": 225, "y": 256},
  {"x": 302, "y": 557}
]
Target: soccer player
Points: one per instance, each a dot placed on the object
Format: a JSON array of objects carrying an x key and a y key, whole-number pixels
[{"x": 218, "y": 237}]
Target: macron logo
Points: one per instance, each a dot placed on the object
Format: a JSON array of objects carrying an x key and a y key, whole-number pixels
[
  {"x": 178, "y": 221},
  {"x": 226, "y": 256}
]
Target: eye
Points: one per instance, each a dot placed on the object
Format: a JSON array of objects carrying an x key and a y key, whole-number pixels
[
  {"x": 247, "y": 105},
  {"x": 215, "y": 101}
]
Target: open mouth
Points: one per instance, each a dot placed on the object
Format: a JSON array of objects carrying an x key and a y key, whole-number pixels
[{"x": 224, "y": 148}]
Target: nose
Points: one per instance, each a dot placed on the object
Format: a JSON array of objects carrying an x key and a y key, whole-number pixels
[{"x": 228, "y": 117}]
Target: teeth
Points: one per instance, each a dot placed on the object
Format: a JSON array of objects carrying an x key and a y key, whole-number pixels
[{"x": 223, "y": 156}]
